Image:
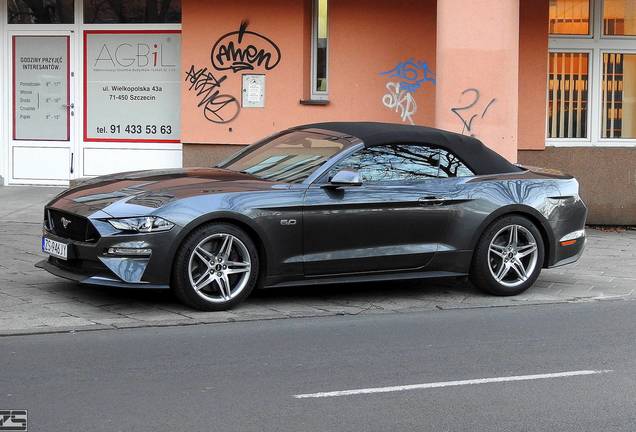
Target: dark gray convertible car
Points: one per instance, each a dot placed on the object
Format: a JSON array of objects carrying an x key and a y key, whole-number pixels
[{"x": 317, "y": 204}]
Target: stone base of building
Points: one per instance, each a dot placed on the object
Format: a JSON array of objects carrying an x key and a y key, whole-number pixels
[
  {"x": 206, "y": 155},
  {"x": 607, "y": 177}
]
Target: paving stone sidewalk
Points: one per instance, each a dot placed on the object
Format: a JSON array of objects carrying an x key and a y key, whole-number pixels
[{"x": 32, "y": 301}]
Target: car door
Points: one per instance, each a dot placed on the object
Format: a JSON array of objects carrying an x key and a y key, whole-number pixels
[{"x": 393, "y": 221}]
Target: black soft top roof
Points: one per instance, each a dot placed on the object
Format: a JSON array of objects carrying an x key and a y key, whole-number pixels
[{"x": 471, "y": 151}]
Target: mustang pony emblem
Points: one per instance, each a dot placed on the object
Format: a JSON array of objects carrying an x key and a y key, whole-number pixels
[{"x": 65, "y": 222}]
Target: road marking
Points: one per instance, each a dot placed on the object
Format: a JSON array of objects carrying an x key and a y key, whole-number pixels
[{"x": 450, "y": 384}]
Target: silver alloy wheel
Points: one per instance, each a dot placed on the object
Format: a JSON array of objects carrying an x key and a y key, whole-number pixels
[
  {"x": 219, "y": 268},
  {"x": 512, "y": 255}
]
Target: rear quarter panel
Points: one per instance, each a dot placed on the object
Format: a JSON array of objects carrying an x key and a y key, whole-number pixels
[{"x": 550, "y": 201}]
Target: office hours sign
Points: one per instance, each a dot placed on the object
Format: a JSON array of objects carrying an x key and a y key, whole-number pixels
[
  {"x": 41, "y": 88},
  {"x": 132, "y": 86}
]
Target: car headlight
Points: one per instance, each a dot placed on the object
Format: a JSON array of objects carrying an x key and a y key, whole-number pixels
[{"x": 144, "y": 224}]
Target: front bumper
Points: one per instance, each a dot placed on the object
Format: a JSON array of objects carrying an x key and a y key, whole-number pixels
[
  {"x": 52, "y": 266},
  {"x": 91, "y": 264}
]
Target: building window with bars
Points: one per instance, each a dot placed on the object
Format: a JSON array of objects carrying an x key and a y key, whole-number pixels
[
  {"x": 619, "y": 96},
  {"x": 568, "y": 86},
  {"x": 592, "y": 71}
]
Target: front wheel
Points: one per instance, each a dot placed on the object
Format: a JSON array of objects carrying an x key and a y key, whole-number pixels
[
  {"x": 216, "y": 268},
  {"x": 509, "y": 257}
]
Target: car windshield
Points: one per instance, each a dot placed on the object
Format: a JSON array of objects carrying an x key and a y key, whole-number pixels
[{"x": 288, "y": 158}]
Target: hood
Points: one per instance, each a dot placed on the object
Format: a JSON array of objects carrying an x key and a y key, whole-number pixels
[{"x": 141, "y": 192}]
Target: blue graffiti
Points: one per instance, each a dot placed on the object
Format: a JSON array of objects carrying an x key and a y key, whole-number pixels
[{"x": 412, "y": 74}]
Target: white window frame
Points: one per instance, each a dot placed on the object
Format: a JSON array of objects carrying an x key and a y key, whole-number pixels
[
  {"x": 596, "y": 44},
  {"x": 4, "y": 88},
  {"x": 315, "y": 94}
]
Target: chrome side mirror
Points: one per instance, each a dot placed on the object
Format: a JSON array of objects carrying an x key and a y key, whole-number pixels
[{"x": 345, "y": 177}]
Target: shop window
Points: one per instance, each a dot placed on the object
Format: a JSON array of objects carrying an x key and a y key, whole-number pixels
[
  {"x": 320, "y": 50},
  {"x": 568, "y": 87},
  {"x": 619, "y": 17},
  {"x": 619, "y": 96},
  {"x": 41, "y": 12},
  {"x": 570, "y": 17},
  {"x": 132, "y": 11}
]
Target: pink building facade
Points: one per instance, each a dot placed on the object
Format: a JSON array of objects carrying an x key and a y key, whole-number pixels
[{"x": 186, "y": 83}]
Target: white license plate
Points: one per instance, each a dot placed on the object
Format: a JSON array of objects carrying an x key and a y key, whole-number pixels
[{"x": 55, "y": 248}]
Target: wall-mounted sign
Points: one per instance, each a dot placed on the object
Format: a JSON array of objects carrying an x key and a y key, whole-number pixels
[
  {"x": 41, "y": 95},
  {"x": 132, "y": 85},
  {"x": 253, "y": 91}
]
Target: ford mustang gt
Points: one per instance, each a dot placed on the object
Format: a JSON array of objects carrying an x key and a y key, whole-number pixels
[{"x": 319, "y": 204}]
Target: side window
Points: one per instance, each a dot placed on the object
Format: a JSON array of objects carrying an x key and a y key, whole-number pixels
[
  {"x": 451, "y": 166},
  {"x": 392, "y": 163}
]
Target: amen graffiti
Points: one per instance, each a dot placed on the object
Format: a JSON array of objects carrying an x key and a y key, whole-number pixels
[{"x": 244, "y": 50}]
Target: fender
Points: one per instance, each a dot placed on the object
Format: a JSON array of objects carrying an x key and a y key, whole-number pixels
[
  {"x": 229, "y": 216},
  {"x": 523, "y": 210}
]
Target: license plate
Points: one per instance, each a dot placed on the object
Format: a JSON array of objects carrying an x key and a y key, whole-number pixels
[{"x": 55, "y": 248}]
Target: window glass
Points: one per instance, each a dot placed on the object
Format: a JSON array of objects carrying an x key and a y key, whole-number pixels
[
  {"x": 392, "y": 163},
  {"x": 619, "y": 96},
  {"x": 568, "y": 95},
  {"x": 451, "y": 166},
  {"x": 619, "y": 17},
  {"x": 131, "y": 11},
  {"x": 320, "y": 46},
  {"x": 570, "y": 17},
  {"x": 41, "y": 12},
  {"x": 41, "y": 98},
  {"x": 289, "y": 158}
]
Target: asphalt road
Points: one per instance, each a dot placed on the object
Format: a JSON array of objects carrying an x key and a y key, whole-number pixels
[{"x": 244, "y": 376}]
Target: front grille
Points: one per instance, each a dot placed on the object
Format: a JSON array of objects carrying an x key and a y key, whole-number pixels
[{"x": 71, "y": 226}]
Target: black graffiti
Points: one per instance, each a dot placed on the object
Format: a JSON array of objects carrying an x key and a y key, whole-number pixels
[
  {"x": 467, "y": 125},
  {"x": 244, "y": 50},
  {"x": 217, "y": 107}
]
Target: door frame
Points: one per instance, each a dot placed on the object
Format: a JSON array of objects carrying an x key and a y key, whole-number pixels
[
  {"x": 73, "y": 142},
  {"x": 76, "y": 29}
]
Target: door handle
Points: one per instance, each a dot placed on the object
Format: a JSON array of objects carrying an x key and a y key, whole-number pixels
[{"x": 432, "y": 200}]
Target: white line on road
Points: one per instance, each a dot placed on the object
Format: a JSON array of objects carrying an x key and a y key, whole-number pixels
[{"x": 450, "y": 384}]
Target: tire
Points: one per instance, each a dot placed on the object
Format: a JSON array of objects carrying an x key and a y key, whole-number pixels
[
  {"x": 204, "y": 267},
  {"x": 496, "y": 263}
]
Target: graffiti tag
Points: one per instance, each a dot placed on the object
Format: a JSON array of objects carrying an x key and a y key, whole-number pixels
[
  {"x": 463, "y": 112},
  {"x": 244, "y": 50},
  {"x": 217, "y": 107},
  {"x": 401, "y": 101},
  {"x": 412, "y": 74}
]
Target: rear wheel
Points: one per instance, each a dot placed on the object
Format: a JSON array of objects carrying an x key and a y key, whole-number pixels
[
  {"x": 509, "y": 257},
  {"x": 216, "y": 267}
]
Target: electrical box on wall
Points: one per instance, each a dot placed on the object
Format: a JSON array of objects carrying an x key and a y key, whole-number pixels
[{"x": 253, "y": 91}]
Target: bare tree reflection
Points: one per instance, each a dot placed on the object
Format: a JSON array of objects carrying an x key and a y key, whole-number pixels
[{"x": 405, "y": 162}]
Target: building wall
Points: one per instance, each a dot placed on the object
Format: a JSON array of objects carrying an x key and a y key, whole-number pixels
[
  {"x": 607, "y": 177},
  {"x": 533, "y": 66},
  {"x": 366, "y": 37}
]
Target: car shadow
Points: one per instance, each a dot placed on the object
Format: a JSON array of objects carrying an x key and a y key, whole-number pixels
[{"x": 417, "y": 291}]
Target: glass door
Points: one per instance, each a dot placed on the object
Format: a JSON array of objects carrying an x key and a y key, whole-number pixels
[{"x": 42, "y": 132}]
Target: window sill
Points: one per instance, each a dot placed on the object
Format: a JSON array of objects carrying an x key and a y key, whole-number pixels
[{"x": 314, "y": 102}]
